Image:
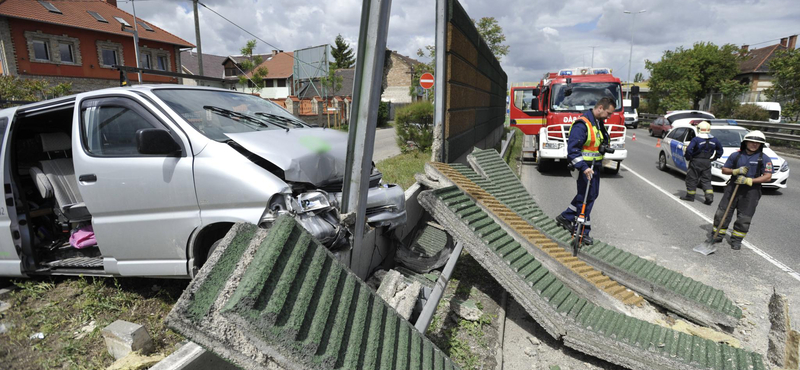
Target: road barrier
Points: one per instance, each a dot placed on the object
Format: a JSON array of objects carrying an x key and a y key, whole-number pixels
[{"x": 776, "y": 131}]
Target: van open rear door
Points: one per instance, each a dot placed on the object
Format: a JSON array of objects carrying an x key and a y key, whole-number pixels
[{"x": 10, "y": 262}]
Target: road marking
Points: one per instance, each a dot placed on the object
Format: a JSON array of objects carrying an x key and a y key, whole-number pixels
[{"x": 747, "y": 244}]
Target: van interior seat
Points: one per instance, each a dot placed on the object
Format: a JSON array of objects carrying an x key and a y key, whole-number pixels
[{"x": 56, "y": 178}]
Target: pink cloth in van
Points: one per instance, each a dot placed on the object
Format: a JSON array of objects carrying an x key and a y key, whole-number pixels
[{"x": 83, "y": 237}]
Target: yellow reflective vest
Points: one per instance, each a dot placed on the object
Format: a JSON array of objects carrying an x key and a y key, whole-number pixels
[{"x": 594, "y": 137}]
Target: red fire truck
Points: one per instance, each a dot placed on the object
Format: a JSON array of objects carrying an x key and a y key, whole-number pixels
[{"x": 545, "y": 112}]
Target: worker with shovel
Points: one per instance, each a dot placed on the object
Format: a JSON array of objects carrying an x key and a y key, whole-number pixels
[
  {"x": 749, "y": 168},
  {"x": 588, "y": 140},
  {"x": 702, "y": 150}
]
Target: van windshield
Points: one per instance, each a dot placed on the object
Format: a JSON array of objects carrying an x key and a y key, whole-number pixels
[
  {"x": 584, "y": 95},
  {"x": 216, "y": 113}
]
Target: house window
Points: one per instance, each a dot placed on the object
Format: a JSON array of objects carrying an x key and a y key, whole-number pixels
[
  {"x": 122, "y": 22},
  {"x": 145, "y": 26},
  {"x": 162, "y": 62},
  {"x": 97, "y": 16},
  {"x": 109, "y": 57},
  {"x": 50, "y": 7},
  {"x": 41, "y": 51},
  {"x": 282, "y": 83},
  {"x": 231, "y": 72},
  {"x": 144, "y": 61},
  {"x": 65, "y": 51}
]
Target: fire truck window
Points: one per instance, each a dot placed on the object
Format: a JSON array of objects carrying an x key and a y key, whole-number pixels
[
  {"x": 584, "y": 95},
  {"x": 523, "y": 99}
]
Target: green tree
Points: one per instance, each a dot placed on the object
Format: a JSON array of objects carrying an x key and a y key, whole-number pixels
[
  {"x": 492, "y": 34},
  {"x": 638, "y": 77},
  {"x": 728, "y": 103},
  {"x": 251, "y": 64},
  {"x": 683, "y": 77},
  {"x": 331, "y": 82},
  {"x": 342, "y": 54},
  {"x": 785, "y": 68},
  {"x": 19, "y": 89}
]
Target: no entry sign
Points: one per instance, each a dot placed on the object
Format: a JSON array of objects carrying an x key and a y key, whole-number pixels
[{"x": 426, "y": 81}]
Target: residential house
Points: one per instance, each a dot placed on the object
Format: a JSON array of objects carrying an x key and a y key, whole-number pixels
[
  {"x": 212, "y": 67},
  {"x": 278, "y": 82},
  {"x": 754, "y": 68},
  {"x": 399, "y": 79},
  {"x": 80, "y": 41}
]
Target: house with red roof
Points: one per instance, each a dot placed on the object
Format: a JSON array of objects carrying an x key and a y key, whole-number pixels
[
  {"x": 80, "y": 41},
  {"x": 278, "y": 82},
  {"x": 754, "y": 67}
]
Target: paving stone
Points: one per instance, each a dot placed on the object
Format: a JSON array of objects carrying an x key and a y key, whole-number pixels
[{"x": 123, "y": 337}]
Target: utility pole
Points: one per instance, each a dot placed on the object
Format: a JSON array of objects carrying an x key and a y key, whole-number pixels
[
  {"x": 136, "y": 40},
  {"x": 592, "y": 66},
  {"x": 197, "y": 36}
]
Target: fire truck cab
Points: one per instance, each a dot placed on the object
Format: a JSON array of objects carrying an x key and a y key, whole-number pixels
[{"x": 545, "y": 113}]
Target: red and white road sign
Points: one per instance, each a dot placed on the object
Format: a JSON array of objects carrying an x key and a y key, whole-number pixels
[{"x": 426, "y": 81}]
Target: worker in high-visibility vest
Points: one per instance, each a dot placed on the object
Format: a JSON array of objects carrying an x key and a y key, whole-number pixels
[
  {"x": 701, "y": 152},
  {"x": 586, "y": 137}
]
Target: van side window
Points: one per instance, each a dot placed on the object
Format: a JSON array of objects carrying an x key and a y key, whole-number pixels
[{"x": 109, "y": 128}]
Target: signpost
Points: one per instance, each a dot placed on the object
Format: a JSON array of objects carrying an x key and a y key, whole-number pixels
[{"x": 426, "y": 82}]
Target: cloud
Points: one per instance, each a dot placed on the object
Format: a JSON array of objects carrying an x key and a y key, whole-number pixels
[{"x": 543, "y": 35}]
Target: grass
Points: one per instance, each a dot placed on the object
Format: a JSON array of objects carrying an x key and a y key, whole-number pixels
[
  {"x": 400, "y": 169},
  {"x": 61, "y": 308},
  {"x": 515, "y": 152}
]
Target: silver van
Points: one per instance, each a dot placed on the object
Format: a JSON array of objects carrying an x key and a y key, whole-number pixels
[{"x": 151, "y": 177}]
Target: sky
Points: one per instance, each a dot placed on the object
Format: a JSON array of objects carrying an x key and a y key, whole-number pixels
[{"x": 543, "y": 35}]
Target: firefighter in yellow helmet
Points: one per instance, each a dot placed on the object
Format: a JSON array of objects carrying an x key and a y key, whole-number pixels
[
  {"x": 702, "y": 150},
  {"x": 749, "y": 168}
]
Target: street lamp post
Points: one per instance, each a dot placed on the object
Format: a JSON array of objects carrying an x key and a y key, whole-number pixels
[{"x": 630, "y": 57}]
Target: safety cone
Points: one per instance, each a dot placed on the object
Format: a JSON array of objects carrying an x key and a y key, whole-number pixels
[
  {"x": 658, "y": 143},
  {"x": 634, "y": 137}
]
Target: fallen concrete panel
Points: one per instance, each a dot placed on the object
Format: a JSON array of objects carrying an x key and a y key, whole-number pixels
[
  {"x": 565, "y": 314},
  {"x": 672, "y": 290},
  {"x": 279, "y": 299}
]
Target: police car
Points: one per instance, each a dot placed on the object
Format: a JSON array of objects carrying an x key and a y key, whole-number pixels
[{"x": 670, "y": 154}]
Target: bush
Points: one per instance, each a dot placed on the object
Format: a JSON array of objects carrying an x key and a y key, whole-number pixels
[
  {"x": 725, "y": 108},
  {"x": 750, "y": 112},
  {"x": 383, "y": 114},
  {"x": 414, "y": 126}
]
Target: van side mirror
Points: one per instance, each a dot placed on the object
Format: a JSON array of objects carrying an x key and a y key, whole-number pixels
[
  {"x": 156, "y": 141},
  {"x": 634, "y": 90},
  {"x": 534, "y": 104},
  {"x": 535, "y": 92},
  {"x": 635, "y": 102}
]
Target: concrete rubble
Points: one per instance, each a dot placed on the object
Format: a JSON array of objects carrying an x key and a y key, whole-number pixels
[{"x": 398, "y": 294}]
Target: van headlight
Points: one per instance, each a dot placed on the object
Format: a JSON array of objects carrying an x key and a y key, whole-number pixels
[
  {"x": 717, "y": 165},
  {"x": 313, "y": 201},
  {"x": 785, "y": 166}
]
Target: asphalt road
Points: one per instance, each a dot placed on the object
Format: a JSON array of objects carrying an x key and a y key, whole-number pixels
[
  {"x": 639, "y": 210},
  {"x": 385, "y": 144}
]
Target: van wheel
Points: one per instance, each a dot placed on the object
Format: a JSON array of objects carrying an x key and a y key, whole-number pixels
[{"x": 662, "y": 162}]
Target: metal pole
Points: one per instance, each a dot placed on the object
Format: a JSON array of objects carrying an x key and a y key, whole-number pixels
[
  {"x": 136, "y": 40},
  {"x": 630, "y": 57},
  {"x": 197, "y": 37},
  {"x": 440, "y": 75},
  {"x": 593, "y": 56},
  {"x": 361, "y": 138}
]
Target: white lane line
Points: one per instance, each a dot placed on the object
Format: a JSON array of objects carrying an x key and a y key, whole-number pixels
[{"x": 747, "y": 244}]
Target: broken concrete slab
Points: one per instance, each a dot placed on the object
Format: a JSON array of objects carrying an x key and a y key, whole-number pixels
[
  {"x": 123, "y": 337},
  {"x": 279, "y": 298},
  {"x": 782, "y": 342},
  {"x": 565, "y": 314},
  {"x": 672, "y": 290},
  {"x": 398, "y": 293}
]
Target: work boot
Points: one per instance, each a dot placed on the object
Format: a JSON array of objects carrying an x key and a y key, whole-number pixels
[
  {"x": 688, "y": 197},
  {"x": 709, "y": 199},
  {"x": 717, "y": 239},
  {"x": 564, "y": 223},
  {"x": 736, "y": 244}
]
